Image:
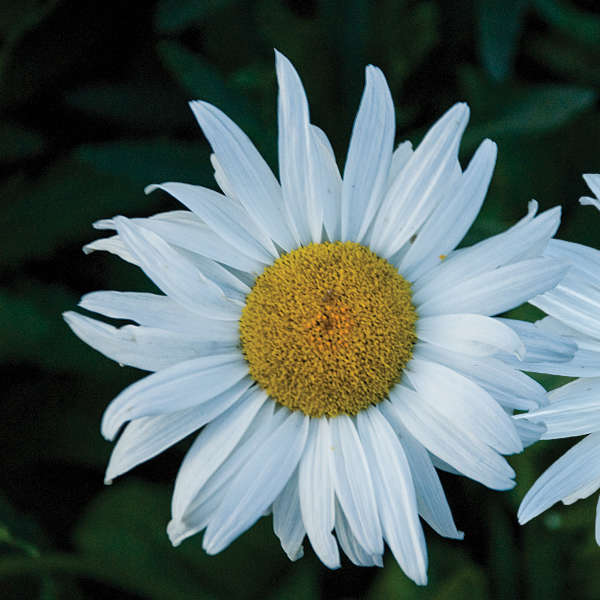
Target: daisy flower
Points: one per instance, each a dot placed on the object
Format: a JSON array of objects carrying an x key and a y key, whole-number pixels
[
  {"x": 324, "y": 334},
  {"x": 573, "y": 409}
]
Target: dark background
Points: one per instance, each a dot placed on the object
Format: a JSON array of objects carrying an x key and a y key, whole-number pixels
[{"x": 93, "y": 100}]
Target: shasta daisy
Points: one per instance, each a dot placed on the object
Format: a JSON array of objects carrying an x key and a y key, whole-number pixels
[{"x": 324, "y": 334}]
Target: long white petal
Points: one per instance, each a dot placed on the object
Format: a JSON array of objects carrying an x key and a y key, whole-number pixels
[
  {"x": 195, "y": 516},
  {"x": 573, "y": 410},
  {"x": 507, "y": 385},
  {"x": 452, "y": 218},
  {"x": 573, "y": 470},
  {"x": 212, "y": 447},
  {"x": 462, "y": 451},
  {"x": 464, "y": 405},
  {"x": 178, "y": 387},
  {"x": 174, "y": 275},
  {"x": 146, "y": 437},
  {"x": 475, "y": 335},
  {"x": 353, "y": 486},
  {"x": 575, "y": 302},
  {"x": 255, "y": 487},
  {"x": 498, "y": 290},
  {"x": 142, "y": 347},
  {"x": 417, "y": 190},
  {"x": 332, "y": 180},
  {"x": 524, "y": 240},
  {"x": 394, "y": 493},
  {"x": 301, "y": 175},
  {"x": 159, "y": 312},
  {"x": 316, "y": 493},
  {"x": 248, "y": 176},
  {"x": 431, "y": 499},
  {"x": 369, "y": 157},
  {"x": 353, "y": 550},
  {"x": 225, "y": 216},
  {"x": 287, "y": 519},
  {"x": 184, "y": 229},
  {"x": 113, "y": 244}
]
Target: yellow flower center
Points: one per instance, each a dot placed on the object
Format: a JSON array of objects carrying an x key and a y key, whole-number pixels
[{"x": 328, "y": 329}]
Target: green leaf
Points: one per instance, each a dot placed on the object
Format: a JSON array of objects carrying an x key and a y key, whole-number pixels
[
  {"x": 499, "y": 24},
  {"x": 451, "y": 575},
  {"x": 204, "y": 82},
  {"x": 580, "y": 25},
  {"x": 149, "y": 107},
  {"x": 566, "y": 57},
  {"x": 17, "y": 142},
  {"x": 174, "y": 16},
  {"x": 141, "y": 163},
  {"x": 123, "y": 532},
  {"x": 60, "y": 206},
  {"x": 501, "y": 111}
]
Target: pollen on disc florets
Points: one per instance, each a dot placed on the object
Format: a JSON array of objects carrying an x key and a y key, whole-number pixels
[{"x": 328, "y": 329}]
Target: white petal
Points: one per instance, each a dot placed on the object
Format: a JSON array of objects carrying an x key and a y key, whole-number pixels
[
  {"x": 417, "y": 190},
  {"x": 143, "y": 347},
  {"x": 529, "y": 432},
  {"x": 475, "y": 335},
  {"x": 148, "y": 436},
  {"x": 593, "y": 181},
  {"x": 369, "y": 157},
  {"x": 226, "y": 217},
  {"x": 394, "y": 493},
  {"x": 301, "y": 175},
  {"x": 498, "y": 290},
  {"x": 332, "y": 184},
  {"x": 461, "y": 450},
  {"x": 453, "y": 217},
  {"x": 190, "y": 233},
  {"x": 464, "y": 405},
  {"x": 575, "y": 302},
  {"x": 178, "y": 387},
  {"x": 353, "y": 486},
  {"x": 287, "y": 519},
  {"x": 255, "y": 487},
  {"x": 316, "y": 493},
  {"x": 175, "y": 275},
  {"x": 431, "y": 499},
  {"x": 574, "y": 409},
  {"x": 585, "y": 261},
  {"x": 113, "y": 244},
  {"x": 194, "y": 517},
  {"x": 508, "y": 386},
  {"x": 159, "y": 312},
  {"x": 232, "y": 286},
  {"x": 540, "y": 346},
  {"x": 400, "y": 158},
  {"x": 573, "y": 470},
  {"x": 248, "y": 176},
  {"x": 353, "y": 550},
  {"x": 526, "y": 239},
  {"x": 212, "y": 447}
]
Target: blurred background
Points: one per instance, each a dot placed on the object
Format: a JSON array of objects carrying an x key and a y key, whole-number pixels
[{"x": 93, "y": 100}]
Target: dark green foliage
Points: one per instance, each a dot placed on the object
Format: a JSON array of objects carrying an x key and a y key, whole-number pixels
[{"x": 93, "y": 100}]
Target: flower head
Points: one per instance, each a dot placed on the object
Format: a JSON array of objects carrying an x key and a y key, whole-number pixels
[
  {"x": 325, "y": 334},
  {"x": 573, "y": 309}
]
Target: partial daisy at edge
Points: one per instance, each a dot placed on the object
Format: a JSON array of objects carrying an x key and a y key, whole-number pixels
[
  {"x": 325, "y": 336},
  {"x": 573, "y": 410}
]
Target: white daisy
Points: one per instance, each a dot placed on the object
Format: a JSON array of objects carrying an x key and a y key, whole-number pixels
[
  {"x": 574, "y": 409},
  {"x": 325, "y": 334}
]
